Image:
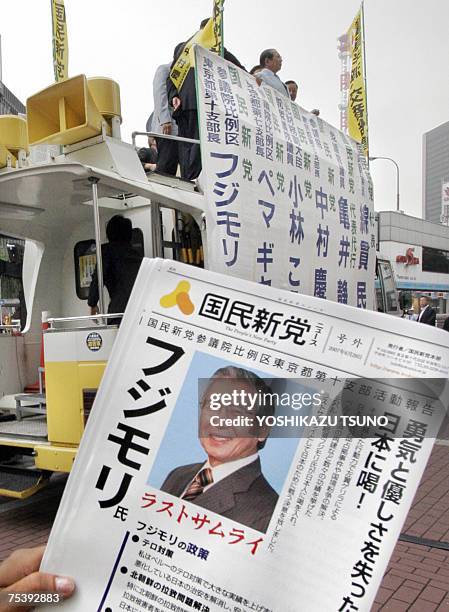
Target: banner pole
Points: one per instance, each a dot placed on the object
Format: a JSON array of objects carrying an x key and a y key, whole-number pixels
[
  {"x": 222, "y": 28},
  {"x": 365, "y": 81}
]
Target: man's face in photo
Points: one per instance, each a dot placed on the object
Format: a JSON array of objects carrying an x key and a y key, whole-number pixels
[{"x": 228, "y": 443}]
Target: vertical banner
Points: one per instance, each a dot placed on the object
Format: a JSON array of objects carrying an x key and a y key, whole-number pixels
[
  {"x": 357, "y": 99},
  {"x": 217, "y": 18},
  {"x": 290, "y": 199},
  {"x": 210, "y": 37},
  {"x": 60, "y": 41}
]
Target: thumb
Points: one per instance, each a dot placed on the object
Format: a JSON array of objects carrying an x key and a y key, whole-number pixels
[{"x": 60, "y": 586}]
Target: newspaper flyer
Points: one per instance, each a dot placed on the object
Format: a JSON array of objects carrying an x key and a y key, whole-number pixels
[
  {"x": 286, "y": 190},
  {"x": 301, "y": 520}
]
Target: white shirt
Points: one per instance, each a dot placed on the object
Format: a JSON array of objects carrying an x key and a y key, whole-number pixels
[
  {"x": 223, "y": 470},
  {"x": 272, "y": 79}
]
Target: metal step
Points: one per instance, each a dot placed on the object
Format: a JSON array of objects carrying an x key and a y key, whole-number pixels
[
  {"x": 29, "y": 427},
  {"x": 20, "y": 483}
]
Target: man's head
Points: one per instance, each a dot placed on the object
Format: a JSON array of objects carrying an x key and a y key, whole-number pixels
[
  {"x": 229, "y": 443},
  {"x": 119, "y": 229},
  {"x": 203, "y": 23},
  {"x": 292, "y": 87},
  {"x": 271, "y": 59},
  {"x": 424, "y": 301}
]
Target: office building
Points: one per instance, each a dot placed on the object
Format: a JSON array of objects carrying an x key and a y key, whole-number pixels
[{"x": 435, "y": 170}]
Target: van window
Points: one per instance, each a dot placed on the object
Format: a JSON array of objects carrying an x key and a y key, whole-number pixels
[
  {"x": 386, "y": 295},
  {"x": 85, "y": 256},
  {"x": 12, "y": 298}
]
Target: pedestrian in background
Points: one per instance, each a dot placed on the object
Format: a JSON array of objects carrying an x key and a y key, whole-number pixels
[{"x": 427, "y": 314}]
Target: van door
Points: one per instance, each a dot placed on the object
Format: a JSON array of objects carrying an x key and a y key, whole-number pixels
[{"x": 386, "y": 292}]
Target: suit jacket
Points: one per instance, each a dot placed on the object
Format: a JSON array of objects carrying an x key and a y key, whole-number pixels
[
  {"x": 121, "y": 264},
  {"x": 187, "y": 94},
  {"x": 429, "y": 316},
  {"x": 162, "y": 112},
  {"x": 244, "y": 496},
  {"x": 269, "y": 78}
]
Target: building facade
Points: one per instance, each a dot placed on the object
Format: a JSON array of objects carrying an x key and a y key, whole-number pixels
[
  {"x": 435, "y": 170},
  {"x": 419, "y": 253},
  {"x": 9, "y": 104}
]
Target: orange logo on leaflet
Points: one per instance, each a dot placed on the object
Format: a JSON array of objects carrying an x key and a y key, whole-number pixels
[
  {"x": 179, "y": 297},
  {"x": 409, "y": 258}
]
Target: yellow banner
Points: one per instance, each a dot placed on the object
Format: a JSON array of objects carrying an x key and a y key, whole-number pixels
[
  {"x": 60, "y": 41},
  {"x": 357, "y": 103},
  {"x": 210, "y": 37}
]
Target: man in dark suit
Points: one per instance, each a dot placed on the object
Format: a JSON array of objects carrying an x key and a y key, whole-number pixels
[
  {"x": 185, "y": 113},
  {"x": 230, "y": 482},
  {"x": 427, "y": 314},
  {"x": 121, "y": 263}
]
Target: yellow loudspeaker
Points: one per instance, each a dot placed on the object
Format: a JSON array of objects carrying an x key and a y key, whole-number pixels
[
  {"x": 106, "y": 95},
  {"x": 13, "y": 133},
  {"x": 64, "y": 113},
  {"x": 5, "y": 154}
]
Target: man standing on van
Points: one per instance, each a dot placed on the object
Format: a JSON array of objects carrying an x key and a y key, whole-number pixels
[
  {"x": 271, "y": 62},
  {"x": 121, "y": 263}
]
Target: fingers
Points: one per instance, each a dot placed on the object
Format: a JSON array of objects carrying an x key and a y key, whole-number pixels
[
  {"x": 21, "y": 563},
  {"x": 36, "y": 582}
]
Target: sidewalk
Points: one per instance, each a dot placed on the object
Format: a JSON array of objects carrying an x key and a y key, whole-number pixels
[
  {"x": 28, "y": 523},
  {"x": 417, "y": 578}
]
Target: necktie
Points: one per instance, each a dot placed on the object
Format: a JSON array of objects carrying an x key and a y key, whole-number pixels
[{"x": 196, "y": 487}]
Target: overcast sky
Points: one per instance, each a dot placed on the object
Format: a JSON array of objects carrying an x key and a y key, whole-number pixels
[{"x": 407, "y": 48}]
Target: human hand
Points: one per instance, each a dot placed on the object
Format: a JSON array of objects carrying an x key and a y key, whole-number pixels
[
  {"x": 176, "y": 103},
  {"x": 19, "y": 574},
  {"x": 166, "y": 128},
  {"x": 94, "y": 310}
]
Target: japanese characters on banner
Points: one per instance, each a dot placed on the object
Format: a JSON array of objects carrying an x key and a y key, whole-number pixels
[
  {"x": 357, "y": 101},
  {"x": 290, "y": 198},
  {"x": 60, "y": 41},
  {"x": 331, "y": 505}
]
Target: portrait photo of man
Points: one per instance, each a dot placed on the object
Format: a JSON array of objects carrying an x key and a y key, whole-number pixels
[{"x": 229, "y": 481}]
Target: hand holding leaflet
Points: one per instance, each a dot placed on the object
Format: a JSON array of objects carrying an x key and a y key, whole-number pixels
[{"x": 21, "y": 582}]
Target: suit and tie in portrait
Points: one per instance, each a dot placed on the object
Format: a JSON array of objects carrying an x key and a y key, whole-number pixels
[
  {"x": 230, "y": 481},
  {"x": 245, "y": 496}
]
